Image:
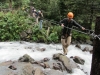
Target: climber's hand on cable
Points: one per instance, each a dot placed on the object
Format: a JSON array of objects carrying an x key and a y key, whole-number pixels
[
  {"x": 83, "y": 28},
  {"x": 62, "y": 25}
]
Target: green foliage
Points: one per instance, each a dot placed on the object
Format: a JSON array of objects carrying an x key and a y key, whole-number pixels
[
  {"x": 11, "y": 25},
  {"x": 79, "y": 36},
  {"x": 21, "y": 3},
  {"x": 39, "y": 35},
  {"x": 53, "y": 37},
  {"x": 55, "y": 32}
]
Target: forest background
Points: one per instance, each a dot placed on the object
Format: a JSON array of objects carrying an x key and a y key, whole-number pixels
[{"x": 17, "y": 23}]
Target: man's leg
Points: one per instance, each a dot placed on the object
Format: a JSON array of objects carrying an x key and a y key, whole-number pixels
[
  {"x": 65, "y": 43},
  {"x": 36, "y": 20},
  {"x": 68, "y": 41},
  {"x": 41, "y": 24}
]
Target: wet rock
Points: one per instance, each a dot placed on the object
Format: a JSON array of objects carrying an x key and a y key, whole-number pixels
[
  {"x": 79, "y": 60},
  {"x": 56, "y": 56},
  {"x": 73, "y": 64},
  {"x": 27, "y": 69},
  {"x": 45, "y": 65},
  {"x": 12, "y": 67},
  {"x": 65, "y": 61},
  {"x": 86, "y": 49},
  {"x": 22, "y": 42},
  {"x": 23, "y": 34},
  {"x": 36, "y": 62},
  {"x": 28, "y": 47},
  {"x": 40, "y": 49},
  {"x": 53, "y": 72},
  {"x": 78, "y": 46},
  {"x": 45, "y": 60},
  {"x": 38, "y": 71},
  {"x": 26, "y": 58},
  {"x": 16, "y": 68},
  {"x": 57, "y": 66},
  {"x": 6, "y": 63}
]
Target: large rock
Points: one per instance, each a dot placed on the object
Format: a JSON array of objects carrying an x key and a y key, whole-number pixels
[
  {"x": 22, "y": 68},
  {"x": 27, "y": 66},
  {"x": 23, "y": 34},
  {"x": 38, "y": 71},
  {"x": 26, "y": 58},
  {"x": 53, "y": 72},
  {"x": 65, "y": 61},
  {"x": 79, "y": 60}
]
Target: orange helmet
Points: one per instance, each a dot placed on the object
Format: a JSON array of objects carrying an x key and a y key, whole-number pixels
[{"x": 70, "y": 15}]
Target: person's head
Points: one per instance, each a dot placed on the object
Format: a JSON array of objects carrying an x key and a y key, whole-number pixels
[
  {"x": 70, "y": 15},
  {"x": 34, "y": 10},
  {"x": 39, "y": 11}
]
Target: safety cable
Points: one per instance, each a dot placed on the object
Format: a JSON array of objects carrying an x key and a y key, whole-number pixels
[
  {"x": 78, "y": 30},
  {"x": 89, "y": 32}
]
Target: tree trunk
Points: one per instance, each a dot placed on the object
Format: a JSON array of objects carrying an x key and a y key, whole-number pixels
[
  {"x": 10, "y": 4},
  {"x": 95, "y": 67},
  {"x": 91, "y": 16}
]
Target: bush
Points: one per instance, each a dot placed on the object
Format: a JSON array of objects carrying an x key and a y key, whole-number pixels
[
  {"x": 11, "y": 24},
  {"x": 80, "y": 36}
]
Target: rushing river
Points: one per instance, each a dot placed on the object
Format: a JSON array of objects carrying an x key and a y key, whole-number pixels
[{"x": 14, "y": 50}]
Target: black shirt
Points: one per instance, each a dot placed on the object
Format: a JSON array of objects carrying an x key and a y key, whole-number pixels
[{"x": 68, "y": 24}]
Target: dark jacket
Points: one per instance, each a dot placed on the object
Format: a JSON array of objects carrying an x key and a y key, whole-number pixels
[
  {"x": 70, "y": 24},
  {"x": 40, "y": 16}
]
